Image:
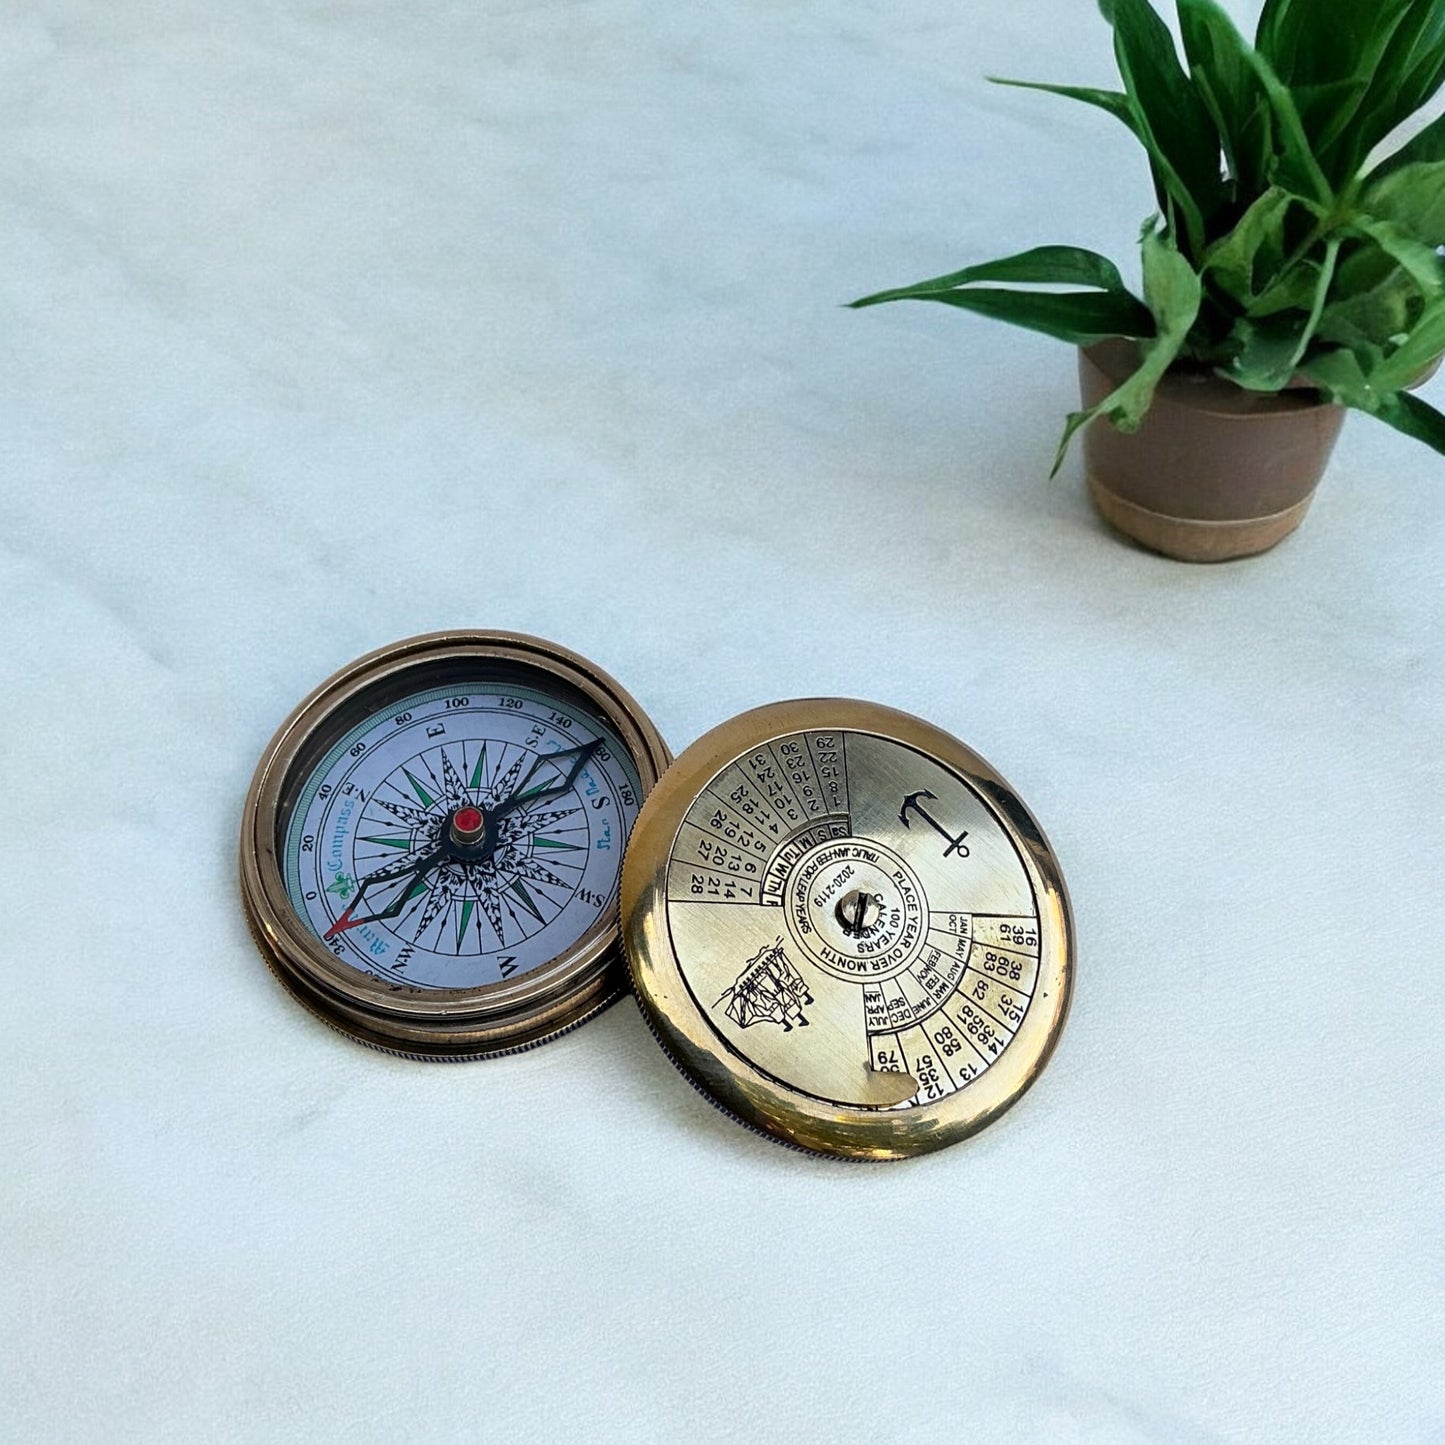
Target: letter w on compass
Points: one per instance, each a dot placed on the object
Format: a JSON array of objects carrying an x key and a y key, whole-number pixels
[
  {"x": 768, "y": 990},
  {"x": 911, "y": 804}
]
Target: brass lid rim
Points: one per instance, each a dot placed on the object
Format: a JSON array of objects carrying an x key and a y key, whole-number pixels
[{"x": 734, "y": 1083}]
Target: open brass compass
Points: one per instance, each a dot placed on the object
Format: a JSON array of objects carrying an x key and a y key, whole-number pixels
[
  {"x": 846, "y": 929},
  {"x": 432, "y": 843}
]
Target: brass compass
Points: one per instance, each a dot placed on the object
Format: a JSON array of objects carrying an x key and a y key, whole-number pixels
[
  {"x": 841, "y": 923},
  {"x": 432, "y": 843},
  {"x": 846, "y": 929}
]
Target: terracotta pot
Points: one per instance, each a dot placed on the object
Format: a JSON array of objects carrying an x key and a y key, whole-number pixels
[{"x": 1215, "y": 471}]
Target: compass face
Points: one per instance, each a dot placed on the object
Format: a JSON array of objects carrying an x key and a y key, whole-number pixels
[
  {"x": 462, "y": 836},
  {"x": 850, "y": 934},
  {"x": 432, "y": 843}
]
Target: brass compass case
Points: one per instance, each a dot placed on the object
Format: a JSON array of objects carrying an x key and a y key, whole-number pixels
[
  {"x": 467, "y": 686},
  {"x": 846, "y": 929}
]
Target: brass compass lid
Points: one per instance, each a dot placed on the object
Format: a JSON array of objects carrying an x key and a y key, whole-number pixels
[{"x": 846, "y": 930}]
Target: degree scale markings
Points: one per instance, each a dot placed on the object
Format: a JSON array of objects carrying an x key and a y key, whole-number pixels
[
  {"x": 550, "y": 872},
  {"x": 781, "y": 819}
]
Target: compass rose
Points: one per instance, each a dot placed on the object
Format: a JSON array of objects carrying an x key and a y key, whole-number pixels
[{"x": 469, "y": 844}]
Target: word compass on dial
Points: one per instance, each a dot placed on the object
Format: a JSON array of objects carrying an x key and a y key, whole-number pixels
[
  {"x": 433, "y": 841},
  {"x": 846, "y": 929}
]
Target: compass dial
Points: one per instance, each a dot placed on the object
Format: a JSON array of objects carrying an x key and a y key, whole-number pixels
[
  {"x": 548, "y": 794},
  {"x": 854, "y": 935},
  {"x": 433, "y": 842}
]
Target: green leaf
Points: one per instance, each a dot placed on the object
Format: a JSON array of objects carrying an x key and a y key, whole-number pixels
[
  {"x": 1114, "y": 102},
  {"x": 1409, "y": 73},
  {"x": 1078, "y": 317},
  {"x": 1306, "y": 333},
  {"x": 1342, "y": 376},
  {"x": 1254, "y": 264},
  {"x": 1426, "y": 341},
  {"x": 1345, "y": 65},
  {"x": 1172, "y": 120},
  {"x": 1265, "y": 360},
  {"x": 1229, "y": 87},
  {"x": 1374, "y": 315},
  {"x": 1288, "y": 159},
  {"x": 1416, "y": 418},
  {"x": 1173, "y": 291},
  {"x": 1044, "y": 265},
  {"x": 1294, "y": 164},
  {"x": 1271, "y": 26},
  {"x": 1418, "y": 260},
  {"x": 1294, "y": 290},
  {"x": 1364, "y": 375},
  {"x": 1413, "y": 198},
  {"x": 1366, "y": 385},
  {"x": 1327, "y": 112},
  {"x": 1313, "y": 42},
  {"x": 1428, "y": 145},
  {"x": 1254, "y": 249},
  {"x": 1273, "y": 349},
  {"x": 1376, "y": 300}
]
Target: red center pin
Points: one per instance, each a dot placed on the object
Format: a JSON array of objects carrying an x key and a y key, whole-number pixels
[{"x": 468, "y": 824}]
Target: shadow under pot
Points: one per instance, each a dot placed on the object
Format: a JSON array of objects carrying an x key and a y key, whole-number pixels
[{"x": 1214, "y": 472}]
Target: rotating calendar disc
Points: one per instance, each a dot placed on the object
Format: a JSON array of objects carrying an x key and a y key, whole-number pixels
[
  {"x": 432, "y": 844},
  {"x": 846, "y": 929}
]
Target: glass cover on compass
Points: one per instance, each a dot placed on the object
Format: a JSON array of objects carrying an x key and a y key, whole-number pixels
[
  {"x": 434, "y": 841},
  {"x": 461, "y": 836}
]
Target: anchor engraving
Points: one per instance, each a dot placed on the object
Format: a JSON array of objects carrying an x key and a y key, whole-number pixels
[{"x": 911, "y": 804}]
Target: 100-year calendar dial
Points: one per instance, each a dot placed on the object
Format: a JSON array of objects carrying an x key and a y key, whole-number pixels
[
  {"x": 920, "y": 952},
  {"x": 847, "y": 929}
]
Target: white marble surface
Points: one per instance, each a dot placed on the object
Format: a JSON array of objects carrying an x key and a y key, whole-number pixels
[{"x": 325, "y": 322}]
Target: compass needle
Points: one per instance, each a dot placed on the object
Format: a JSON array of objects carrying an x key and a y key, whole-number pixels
[
  {"x": 406, "y": 877},
  {"x": 528, "y": 791},
  {"x": 398, "y": 896}
]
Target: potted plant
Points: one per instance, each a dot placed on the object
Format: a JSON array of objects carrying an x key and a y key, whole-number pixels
[{"x": 1290, "y": 271}]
